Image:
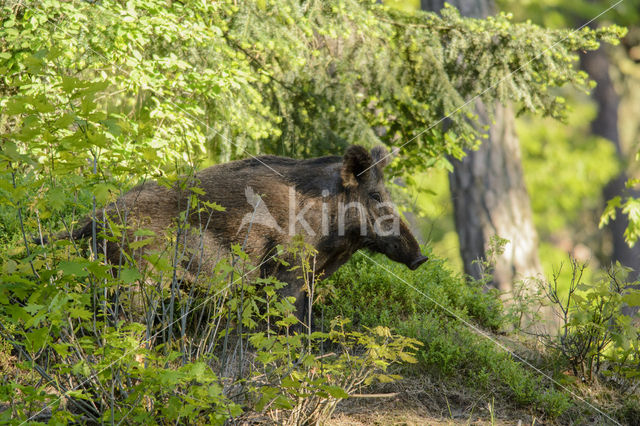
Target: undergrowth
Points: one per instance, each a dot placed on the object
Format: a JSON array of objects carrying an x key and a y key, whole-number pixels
[{"x": 463, "y": 328}]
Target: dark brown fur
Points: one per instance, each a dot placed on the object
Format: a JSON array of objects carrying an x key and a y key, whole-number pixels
[{"x": 211, "y": 233}]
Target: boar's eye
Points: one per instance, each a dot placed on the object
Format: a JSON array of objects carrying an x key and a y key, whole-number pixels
[{"x": 375, "y": 196}]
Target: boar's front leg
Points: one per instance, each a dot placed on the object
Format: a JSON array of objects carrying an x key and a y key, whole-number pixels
[{"x": 296, "y": 288}]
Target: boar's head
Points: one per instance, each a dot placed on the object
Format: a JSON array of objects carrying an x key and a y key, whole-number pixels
[{"x": 380, "y": 227}]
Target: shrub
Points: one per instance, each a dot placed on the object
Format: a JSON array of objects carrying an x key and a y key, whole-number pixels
[
  {"x": 227, "y": 347},
  {"x": 307, "y": 387},
  {"x": 361, "y": 283},
  {"x": 594, "y": 330}
]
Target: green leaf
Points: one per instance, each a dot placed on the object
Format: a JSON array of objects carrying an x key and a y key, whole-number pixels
[
  {"x": 143, "y": 232},
  {"x": 99, "y": 270},
  {"x": 61, "y": 349},
  {"x": 198, "y": 371},
  {"x": 9, "y": 267},
  {"x": 16, "y": 106},
  {"x": 34, "y": 64},
  {"x": 385, "y": 378},
  {"x": 97, "y": 86},
  {"x": 129, "y": 275},
  {"x": 610, "y": 211},
  {"x": 406, "y": 357},
  {"x": 79, "y": 312},
  {"x": 268, "y": 394},
  {"x": 33, "y": 308},
  {"x": 140, "y": 243},
  {"x": 97, "y": 138},
  {"x": 213, "y": 206},
  {"x": 335, "y": 391},
  {"x": 632, "y": 298},
  {"x": 65, "y": 121},
  {"x": 102, "y": 191},
  {"x": 289, "y": 383},
  {"x": 57, "y": 198},
  {"x": 37, "y": 339},
  {"x": 70, "y": 83},
  {"x": 17, "y": 313},
  {"x": 169, "y": 377},
  {"x": 283, "y": 402},
  {"x": 197, "y": 190},
  {"x": 78, "y": 394},
  {"x": 76, "y": 268},
  {"x": 43, "y": 105}
]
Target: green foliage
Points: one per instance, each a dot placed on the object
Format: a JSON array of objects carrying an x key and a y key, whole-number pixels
[
  {"x": 95, "y": 97},
  {"x": 407, "y": 5},
  {"x": 629, "y": 206},
  {"x": 308, "y": 387},
  {"x": 96, "y": 93},
  {"x": 102, "y": 370},
  {"x": 395, "y": 301},
  {"x": 594, "y": 330},
  {"x": 454, "y": 351},
  {"x": 289, "y": 375},
  {"x": 265, "y": 76},
  {"x": 110, "y": 343},
  {"x": 564, "y": 160},
  {"x": 423, "y": 77}
]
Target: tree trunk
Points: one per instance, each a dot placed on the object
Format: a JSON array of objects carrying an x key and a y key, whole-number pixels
[
  {"x": 605, "y": 124},
  {"x": 490, "y": 199},
  {"x": 488, "y": 190}
]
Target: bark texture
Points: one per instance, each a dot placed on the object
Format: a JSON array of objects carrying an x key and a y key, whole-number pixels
[{"x": 488, "y": 190}]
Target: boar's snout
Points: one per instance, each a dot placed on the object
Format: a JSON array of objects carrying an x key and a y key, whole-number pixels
[
  {"x": 401, "y": 248},
  {"x": 410, "y": 249},
  {"x": 416, "y": 263},
  {"x": 405, "y": 252}
]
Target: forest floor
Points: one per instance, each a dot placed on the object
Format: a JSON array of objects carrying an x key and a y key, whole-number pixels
[{"x": 419, "y": 401}]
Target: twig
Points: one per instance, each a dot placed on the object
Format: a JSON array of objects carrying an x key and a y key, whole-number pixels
[{"x": 374, "y": 395}]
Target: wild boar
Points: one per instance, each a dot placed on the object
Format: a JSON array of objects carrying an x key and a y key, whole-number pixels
[{"x": 338, "y": 204}]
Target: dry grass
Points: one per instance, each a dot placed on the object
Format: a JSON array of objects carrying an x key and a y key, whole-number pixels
[
  {"x": 424, "y": 401},
  {"x": 421, "y": 401}
]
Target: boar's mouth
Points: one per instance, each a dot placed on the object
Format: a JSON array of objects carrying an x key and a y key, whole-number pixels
[{"x": 417, "y": 262}]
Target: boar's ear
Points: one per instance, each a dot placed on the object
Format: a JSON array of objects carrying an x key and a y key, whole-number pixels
[
  {"x": 356, "y": 160},
  {"x": 381, "y": 156}
]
